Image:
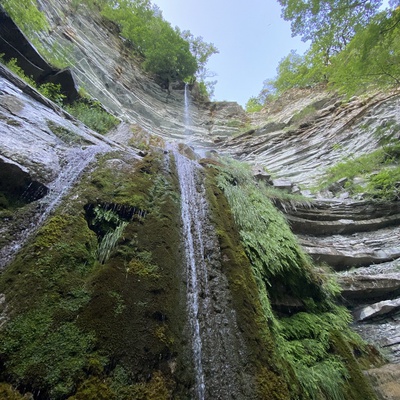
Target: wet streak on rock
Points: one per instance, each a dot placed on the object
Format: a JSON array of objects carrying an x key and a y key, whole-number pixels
[{"x": 218, "y": 349}]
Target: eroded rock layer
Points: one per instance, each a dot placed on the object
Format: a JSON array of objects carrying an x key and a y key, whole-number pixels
[{"x": 49, "y": 150}]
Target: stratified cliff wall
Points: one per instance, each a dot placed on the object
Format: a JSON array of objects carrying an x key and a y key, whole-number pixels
[{"x": 95, "y": 291}]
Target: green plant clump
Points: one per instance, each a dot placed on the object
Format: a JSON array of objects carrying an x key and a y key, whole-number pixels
[
  {"x": 380, "y": 170},
  {"x": 75, "y": 327},
  {"x": 304, "y": 340},
  {"x": 93, "y": 115},
  {"x": 26, "y": 15},
  {"x": 253, "y": 105}
]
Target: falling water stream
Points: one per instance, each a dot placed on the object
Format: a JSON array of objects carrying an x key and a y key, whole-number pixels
[
  {"x": 218, "y": 351},
  {"x": 219, "y": 354},
  {"x": 192, "y": 214}
]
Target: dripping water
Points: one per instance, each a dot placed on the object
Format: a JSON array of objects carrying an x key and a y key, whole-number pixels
[
  {"x": 191, "y": 220},
  {"x": 78, "y": 160},
  {"x": 218, "y": 351},
  {"x": 219, "y": 354}
]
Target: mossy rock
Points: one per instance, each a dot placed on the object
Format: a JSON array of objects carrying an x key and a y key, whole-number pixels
[{"x": 267, "y": 367}]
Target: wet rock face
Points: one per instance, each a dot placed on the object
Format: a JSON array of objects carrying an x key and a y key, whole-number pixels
[
  {"x": 16, "y": 186},
  {"x": 220, "y": 355},
  {"x": 385, "y": 381},
  {"x": 41, "y": 155},
  {"x": 361, "y": 288},
  {"x": 101, "y": 64},
  {"x": 296, "y": 148},
  {"x": 303, "y": 153}
]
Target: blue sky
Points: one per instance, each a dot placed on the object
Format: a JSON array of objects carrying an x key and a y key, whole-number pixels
[{"x": 250, "y": 34}]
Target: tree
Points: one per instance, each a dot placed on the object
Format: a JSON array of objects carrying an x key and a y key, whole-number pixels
[
  {"x": 134, "y": 19},
  {"x": 300, "y": 70},
  {"x": 353, "y": 45},
  {"x": 202, "y": 52},
  {"x": 167, "y": 54},
  {"x": 372, "y": 58},
  {"x": 329, "y": 23},
  {"x": 253, "y": 105}
]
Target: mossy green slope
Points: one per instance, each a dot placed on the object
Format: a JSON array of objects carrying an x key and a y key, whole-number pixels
[
  {"x": 313, "y": 347},
  {"x": 83, "y": 327},
  {"x": 80, "y": 328}
]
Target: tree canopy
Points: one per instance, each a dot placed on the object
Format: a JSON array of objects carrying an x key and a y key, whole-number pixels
[
  {"x": 165, "y": 52},
  {"x": 202, "y": 51},
  {"x": 168, "y": 53},
  {"x": 330, "y": 23},
  {"x": 354, "y": 45},
  {"x": 372, "y": 56}
]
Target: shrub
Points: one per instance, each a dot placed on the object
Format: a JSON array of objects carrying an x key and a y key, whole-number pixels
[
  {"x": 93, "y": 115},
  {"x": 26, "y": 15}
]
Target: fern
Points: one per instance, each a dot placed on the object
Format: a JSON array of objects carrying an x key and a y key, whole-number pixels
[{"x": 305, "y": 339}]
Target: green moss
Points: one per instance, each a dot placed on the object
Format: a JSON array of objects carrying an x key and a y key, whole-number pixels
[
  {"x": 304, "y": 115},
  {"x": 13, "y": 122},
  {"x": 86, "y": 320},
  {"x": 356, "y": 386},
  {"x": 271, "y": 386},
  {"x": 380, "y": 170},
  {"x": 305, "y": 357},
  {"x": 66, "y": 135},
  {"x": 119, "y": 183},
  {"x": 267, "y": 366},
  {"x": 53, "y": 265},
  {"x": 94, "y": 388},
  {"x": 34, "y": 349},
  {"x": 142, "y": 269}
]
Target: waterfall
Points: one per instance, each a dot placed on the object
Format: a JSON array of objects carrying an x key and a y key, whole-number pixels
[
  {"x": 219, "y": 354},
  {"x": 192, "y": 213}
]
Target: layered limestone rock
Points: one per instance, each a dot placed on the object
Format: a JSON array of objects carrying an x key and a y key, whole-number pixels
[
  {"x": 296, "y": 140},
  {"x": 362, "y": 240},
  {"x": 377, "y": 309},
  {"x": 301, "y": 149},
  {"x": 358, "y": 287},
  {"x": 43, "y": 151},
  {"x": 102, "y": 64}
]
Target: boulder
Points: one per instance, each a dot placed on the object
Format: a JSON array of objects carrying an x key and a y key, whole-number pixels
[
  {"x": 338, "y": 185},
  {"x": 377, "y": 309},
  {"x": 359, "y": 288},
  {"x": 283, "y": 184},
  {"x": 261, "y": 175}
]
